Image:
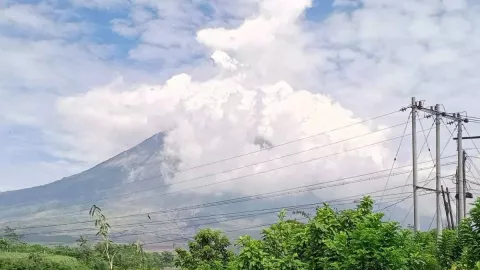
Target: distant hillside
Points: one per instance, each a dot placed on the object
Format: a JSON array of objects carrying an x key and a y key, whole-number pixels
[{"x": 131, "y": 183}]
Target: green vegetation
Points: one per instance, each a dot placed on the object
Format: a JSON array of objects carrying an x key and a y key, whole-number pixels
[
  {"x": 355, "y": 239},
  {"x": 346, "y": 240},
  {"x": 16, "y": 255},
  {"x": 29, "y": 257}
]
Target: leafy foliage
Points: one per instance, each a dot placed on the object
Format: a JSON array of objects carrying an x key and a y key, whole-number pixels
[
  {"x": 469, "y": 239},
  {"x": 350, "y": 239},
  {"x": 355, "y": 239},
  {"x": 345, "y": 240},
  {"x": 15, "y": 255},
  {"x": 448, "y": 248},
  {"x": 13, "y": 260},
  {"x": 209, "y": 250}
]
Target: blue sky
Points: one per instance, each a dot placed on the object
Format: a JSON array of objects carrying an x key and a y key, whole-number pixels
[{"x": 350, "y": 50}]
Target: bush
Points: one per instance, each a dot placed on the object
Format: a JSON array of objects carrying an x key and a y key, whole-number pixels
[{"x": 36, "y": 261}]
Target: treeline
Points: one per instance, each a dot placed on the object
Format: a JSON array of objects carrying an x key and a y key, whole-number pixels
[
  {"x": 16, "y": 255},
  {"x": 356, "y": 239},
  {"x": 103, "y": 255}
]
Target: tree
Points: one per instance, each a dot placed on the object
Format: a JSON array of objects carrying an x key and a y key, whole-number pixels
[
  {"x": 469, "y": 238},
  {"x": 82, "y": 241},
  {"x": 12, "y": 235},
  {"x": 103, "y": 231},
  {"x": 349, "y": 239},
  {"x": 448, "y": 249},
  {"x": 208, "y": 250}
]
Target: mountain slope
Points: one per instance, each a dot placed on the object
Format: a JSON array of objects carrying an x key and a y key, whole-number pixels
[
  {"x": 128, "y": 184},
  {"x": 131, "y": 185}
]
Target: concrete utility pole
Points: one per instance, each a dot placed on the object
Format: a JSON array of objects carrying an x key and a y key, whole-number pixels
[
  {"x": 461, "y": 195},
  {"x": 450, "y": 208},
  {"x": 464, "y": 156},
  {"x": 466, "y": 195},
  {"x": 438, "y": 166},
  {"x": 416, "y": 225},
  {"x": 460, "y": 174},
  {"x": 449, "y": 226}
]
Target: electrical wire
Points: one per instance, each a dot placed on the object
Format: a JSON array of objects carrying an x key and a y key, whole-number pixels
[
  {"x": 473, "y": 141},
  {"x": 300, "y": 189},
  {"x": 418, "y": 155},
  {"x": 226, "y": 232},
  {"x": 224, "y": 171},
  {"x": 288, "y": 142},
  {"x": 431, "y": 222},
  {"x": 235, "y": 218},
  {"x": 122, "y": 234},
  {"x": 441, "y": 153},
  {"x": 426, "y": 137},
  {"x": 223, "y": 214},
  {"x": 396, "y": 154},
  {"x": 224, "y": 181},
  {"x": 209, "y": 223}
]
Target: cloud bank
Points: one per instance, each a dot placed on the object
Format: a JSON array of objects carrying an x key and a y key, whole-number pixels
[{"x": 224, "y": 115}]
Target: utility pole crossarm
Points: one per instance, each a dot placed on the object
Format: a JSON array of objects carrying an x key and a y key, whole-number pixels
[
  {"x": 426, "y": 188},
  {"x": 459, "y": 120},
  {"x": 468, "y": 138},
  {"x": 453, "y": 116}
]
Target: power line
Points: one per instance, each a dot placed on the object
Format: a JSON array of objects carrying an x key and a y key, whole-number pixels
[
  {"x": 228, "y": 231},
  {"x": 420, "y": 152},
  {"x": 225, "y": 214},
  {"x": 227, "y": 180},
  {"x": 396, "y": 154},
  {"x": 431, "y": 222},
  {"x": 473, "y": 141},
  {"x": 289, "y": 191},
  {"x": 406, "y": 216},
  {"x": 236, "y": 216},
  {"x": 441, "y": 153},
  {"x": 239, "y": 217},
  {"x": 288, "y": 142},
  {"x": 427, "y": 136},
  {"x": 474, "y": 166},
  {"x": 216, "y": 222},
  {"x": 233, "y": 169},
  {"x": 300, "y": 189},
  {"x": 394, "y": 204},
  {"x": 337, "y": 204}
]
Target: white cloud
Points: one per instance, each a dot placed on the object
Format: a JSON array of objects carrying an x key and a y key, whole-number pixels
[
  {"x": 101, "y": 4},
  {"x": 370, "y": 59},
  {"x": 171, "y": 26},
  {"x": 222, "y": 116},
  {"x": 216, "y": 119},
  {"x": 38, "y": 20},
  {"x": 455, "y": 5}
]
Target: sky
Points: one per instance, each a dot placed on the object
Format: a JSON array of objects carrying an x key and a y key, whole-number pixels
[{"x": 81, "y": 81}]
